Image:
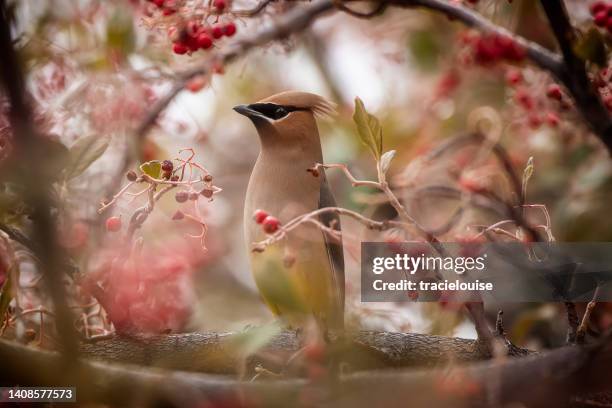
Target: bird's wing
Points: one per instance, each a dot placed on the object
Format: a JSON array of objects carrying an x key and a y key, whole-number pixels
[{"x": 334, "y": 248}]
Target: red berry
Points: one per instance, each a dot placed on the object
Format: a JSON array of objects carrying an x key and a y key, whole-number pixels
[
  {"x": 193, "y": 28},
  {"x": 514, "y": 77},
  {"x": 270, "y": 224},
  {"x": 314, "y": 352},
  {"x": 180, "y": 48},
  {"x": 181, "y": 196},
  {"x": 167, "y": 165},
  {"x": 524, "y": 99},
  {"x": 608, "y": 102},
  {"x": 131, "y": 175},
  {"x": 534, "y": 121},
  {"x": 113, "y": 224},
  {"x": 169, "y": 11},
  {"x": 204, "y": 41},
  {"x": 601, "y": 18},
  {"x": 159, "y": 3},
  {"x": 207, "y": 192},
  {"x": 552, "y": 119},
  {"x": 219, "y": 4},
  {"x": 197, "y": 83},
  {"x": 259, "y": 216},
  {"x": 554, "y": 92},
  {"x": 229, "y": 29},
  {"x": 471, "y": 184},
  {"x": 217, "y": 31},
  {"x": 597, "y": 7}
]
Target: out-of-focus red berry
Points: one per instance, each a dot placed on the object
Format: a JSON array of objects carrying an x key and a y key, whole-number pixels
[
  {"x": 113, "y": 224},
  {"x": 180, "y": 48},
  {"x": 534, "y": 121},
  {"x": 554, "y": 92},
  {"x": 204, "y": 41},
  {"x": 552, "y": 119},
  {"x": 217, "y": 31},
  {"x": 601, "y": 18},
  {"x": 167, "y": 165},
  {"x": 259, "y": 216},
  {"x": 196, "y": 84},
  {"x": 181, "y": 196},
  {"x": 597, "y": 6},
  {"x": 229, "y": 29},
  {"x": 270, "y": 224},
  {"x": 514, "y": 77},
  {"x": 219, "y": 5}
]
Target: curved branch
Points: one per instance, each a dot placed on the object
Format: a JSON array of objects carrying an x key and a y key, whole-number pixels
[
  {"x": 574, "y": 75},
  {"x": 298, "y": 18},
  {"x": 541, "y": 56}
]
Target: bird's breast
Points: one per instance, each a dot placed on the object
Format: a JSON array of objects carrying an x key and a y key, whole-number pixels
[{"x": 282, "y": 188}]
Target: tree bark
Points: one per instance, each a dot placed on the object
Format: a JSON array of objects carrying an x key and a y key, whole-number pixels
[
  {"x": 555, "y": 378},
  {"x": 216, "y": 352}
]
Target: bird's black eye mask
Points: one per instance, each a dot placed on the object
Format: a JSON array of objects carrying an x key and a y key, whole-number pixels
[{"x": 273, "y": 111}]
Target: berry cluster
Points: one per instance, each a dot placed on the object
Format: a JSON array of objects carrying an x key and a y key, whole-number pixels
[
  {"x": 603, "y": 82},
  {"x": 146, "y": 298},
  {"x": 602, "y": 15},
  {"x": 487, "y": 49},
  {"x": 269, "y": 223},
  {"x": 536, "y": 108},
  {"x": 168, "y": 7},
  {"x": 195, "y": 36}
]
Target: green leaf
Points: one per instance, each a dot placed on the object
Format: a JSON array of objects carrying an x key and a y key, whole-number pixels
[
  {"x": 426, "y": 47},
  {"x": 120, "y": 32},
  {"x": 83, "y": 153},
  {"x": 385, "y": 160},
  {"x": 591, "y": 47},
  {"x": 369, "y": 128},
  {"x": 6, "y": 295},
  {"x": 250, "y": 341},
  {"x": 151, "y": 168}
]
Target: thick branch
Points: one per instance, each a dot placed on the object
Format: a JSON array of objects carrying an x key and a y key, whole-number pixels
[
  {"x": 549, "y": 379},
  {"x": 539, "y": 55},
  {"x": 216, "y": 353},
  {"x": 299, "y": 18}
]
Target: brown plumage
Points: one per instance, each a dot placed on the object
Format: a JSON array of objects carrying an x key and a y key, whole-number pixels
[{"x": 313, "y": 285}]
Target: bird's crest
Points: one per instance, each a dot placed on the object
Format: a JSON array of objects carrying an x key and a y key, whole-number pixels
[{"x": 320, "y": 106}]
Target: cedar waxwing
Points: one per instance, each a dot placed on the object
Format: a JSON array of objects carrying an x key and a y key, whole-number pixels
[{"x": 302, "y": 276}]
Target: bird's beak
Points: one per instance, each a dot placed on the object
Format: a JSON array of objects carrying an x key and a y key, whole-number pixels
[{"x": 247, "y": 111}]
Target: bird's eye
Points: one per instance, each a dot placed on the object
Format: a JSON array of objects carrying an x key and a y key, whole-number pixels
[{"x": 280, "y": 112}]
